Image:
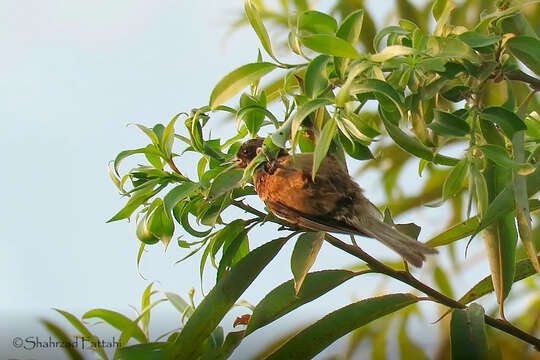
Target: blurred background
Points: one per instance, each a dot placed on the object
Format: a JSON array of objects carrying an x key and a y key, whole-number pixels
[{"x": 74, "y": 75}]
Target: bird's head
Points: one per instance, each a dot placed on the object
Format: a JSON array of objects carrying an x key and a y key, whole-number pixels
[{"x": 248, "y": 151}]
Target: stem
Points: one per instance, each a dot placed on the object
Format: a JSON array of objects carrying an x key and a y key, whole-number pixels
[
  {"x": 519, "y": 75},
  {"x": 173, "y": 166},
  {"x": 403, "y": 276}
]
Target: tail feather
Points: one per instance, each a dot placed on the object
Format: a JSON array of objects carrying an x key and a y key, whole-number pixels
[{"x": 411, "y": 250}]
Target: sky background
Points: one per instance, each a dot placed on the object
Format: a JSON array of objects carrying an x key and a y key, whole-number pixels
[{"x": 75, "y": 73}]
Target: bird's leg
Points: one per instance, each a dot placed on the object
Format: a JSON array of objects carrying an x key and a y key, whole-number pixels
[
  {"x": 354, "y": 241},
  {"x": 406, "y": 266}
]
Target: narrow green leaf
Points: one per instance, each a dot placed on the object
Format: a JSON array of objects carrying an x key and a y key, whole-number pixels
[
  {"x": 77, "y": 324},
  {"x": 254, "y": 19},
  {"x": 167, "y": 138},
  {"x": 477, "y": 40},
  {"x": 378, "y": 87},
  {"x": 386, "y": 31},
  {"x": 466, "y": 228},
  {"x": 71, "y": 351},
  {"x": 508, "y": 121},
  {"x": 499, "y": 156},
  {"x": 296, "y": 120},
  {"x": 524, "y": 269},
  {"x": 322, "y": 146},
  {"x": 316, "y": 79},
  {"x": 238, "y": 79},
  {"x": 390, "y": 52},
  {"x": 177, "y": 194},
  {"x": 304, "y": 254},
  {"x": 148, "y": 351},
  {"x": 441, "y": 279},
  {"x": 176, "y": 300},
  {"x": 161, "y": 225},
  {"x": 351, "y": 27},
  {"x": 454, "y": 181},
  {"x": 330, "y": 45},
  {"x": 313, "y": 339},
  {"x": 117, "y": 320},
  {"x": 137, "y": 198},
  {"x": 527, "y": 50},
  {"x": 147, "y": 150},
  {"x": 406, "y": 142},
  {"x": 225, "y": 181},
  {"x": 523, "y": 215},
  {"x": 468, "y": 334},
  {"x": 316, "y": 22},
  {"x": 233, "y": 251},
  {"x": 222, "y": 297},
  {"x": 452, "y": 48},
  {"x": 449, "y": 124},
  {"x": 145, "y": 301},
  {"x": 283, "y": 299}
]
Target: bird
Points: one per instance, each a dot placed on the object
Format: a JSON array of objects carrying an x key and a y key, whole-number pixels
[{"x": 331, "y": 202}]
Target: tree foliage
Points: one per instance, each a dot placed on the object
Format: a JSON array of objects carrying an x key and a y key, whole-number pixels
[{"x": 408, "y": 91}]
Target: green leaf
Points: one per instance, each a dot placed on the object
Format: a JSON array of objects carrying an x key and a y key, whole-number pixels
[
  {"x": 137, "y": 199},
  {"x": 499, "y": 156},
  {"x": 312, "y": 340},
  {"x": 406, "y": 142},
  {"x": 378, "y": 87},
  {"x": 252, "y": 111},
  {"x": 222, "y": 297},
  {"x": 468, "y": 334},
  {"x": 441, "y": 279},
  {"x": 238, "y": 79},
  {"x": 322, "y": 146},
  {"x": 449, "y": 124},
  {"x": 117, "y": 320},
  {"x": 532, "y": 121},
  {"x": 283, "y": 299},
  {"x": 177, "y": 194},
  {"x": 505, "y": 119},
  {"x": 143, "y": 233},
  {"x": 147, "y": 150},
  {"x": 254, "y": 19},
  {"x": 316, "y": 79},
  {"x": 527, "y": 50},
  {"x": 524, "y": 269},
  {"x": 225, "y": 181},
  {"x": 160, "y": 224},
  {"x": 296, "y": 120},
  {"x": 456, "y": 232},
  {"x": 77, "y": 324},
  {"x": 386, "y": 31},
  {"x": 304, "y": 254},
  {"x": 390, "y": 52},
  {"x": 233, "y": 251},
  {"x": 454, "y": 181},
  {"x": 443, "y": 47},
  {"x": 330, "y": 45},
  {"x": 466, "y": 228},
  {"x": 351, "y": 27},
  {"x": 316, "y": 22},
  {"x": 148, "y": 351},
  {"x": 500, "y": 236},
  {"x": 145, "y": 301},
  {"x": 58, "y": 333},
  {"x": 167, "y": 138},
  {"x": 176, "y": 300},
  {"x": 477, "y": 40}
]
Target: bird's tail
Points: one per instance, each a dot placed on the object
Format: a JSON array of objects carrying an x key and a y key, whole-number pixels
[{"x": 411, "y": 250}]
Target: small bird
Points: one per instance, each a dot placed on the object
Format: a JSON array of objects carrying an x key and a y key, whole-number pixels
[{"x": 331, "y": 203}]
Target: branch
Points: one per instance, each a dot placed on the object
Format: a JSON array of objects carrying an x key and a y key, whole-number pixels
[
  {"x": 403, "y": 276},
  {"x": 519, "y": 75}
]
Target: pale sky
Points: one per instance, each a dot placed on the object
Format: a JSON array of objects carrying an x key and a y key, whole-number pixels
[{"x": 75, "y": 73}]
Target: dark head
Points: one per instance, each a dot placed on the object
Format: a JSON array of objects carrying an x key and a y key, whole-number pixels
[{"x": 248, "y": 151}]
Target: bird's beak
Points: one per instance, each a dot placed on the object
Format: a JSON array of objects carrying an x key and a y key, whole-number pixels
[{"x": 233, "y": 160}]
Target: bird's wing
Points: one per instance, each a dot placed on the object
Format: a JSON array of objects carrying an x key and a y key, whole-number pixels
[{"x": 311, "y": 222}]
